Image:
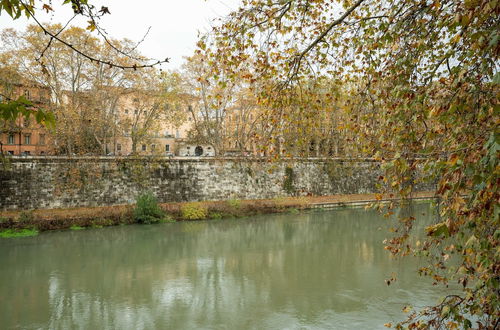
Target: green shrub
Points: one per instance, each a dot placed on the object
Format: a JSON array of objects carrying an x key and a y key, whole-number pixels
[
  {"x": 293, "y": 211},
  {"x": 3, "y": 220},
  {"x": 76, "y": 228},
  {"x": 193, "y": 211},
  {"x": 234, "y": 203},
  {"x": 147, "y": 209}
]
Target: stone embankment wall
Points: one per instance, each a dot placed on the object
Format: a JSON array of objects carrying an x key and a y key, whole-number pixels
[{"x": 36, "y": 182}]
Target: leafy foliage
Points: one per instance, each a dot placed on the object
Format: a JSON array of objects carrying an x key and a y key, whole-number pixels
[
  {"x": 88, "y": 99},
  {"x": 147, "y": 210},
  {"x": 15, "y": 8},
  {"x": 11, "y": 110},
  {"x": 194, "y": 211},
  {"x": 234, "y": 203},
  {"x": 418, "y": 84}
]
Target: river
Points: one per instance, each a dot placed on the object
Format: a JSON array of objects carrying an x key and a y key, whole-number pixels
[{"x": 314, "y": 270}]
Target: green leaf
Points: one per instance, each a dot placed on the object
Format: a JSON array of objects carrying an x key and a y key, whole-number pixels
[
  {"x": 496, "y": 78},
  {"x": 445, "y": 311},
  {"x": 438, "y": 230}
]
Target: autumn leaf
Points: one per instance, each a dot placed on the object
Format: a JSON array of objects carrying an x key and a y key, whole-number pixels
[{"x": 47, "y": 8}]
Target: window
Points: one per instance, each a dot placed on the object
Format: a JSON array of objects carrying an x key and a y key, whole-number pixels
[
  {"x": 153, "y": 147},
  {"x": 42, "y": 152},
  {"x": 136, "y": 111},
  {"x": 10, "y": 152},
  {"x": 11, "y": 139},
  {"x": 27, "y": 139},
  {"x": 42, "y": 139},
  {"x": 119, "y": 147},
  {"x": 167, "y": 147},
  {"x": 177, "y": 134},
  {"x": 143, "y": 147},
  {"x": 190, "y": 108},
  {"x": 26, "y": 153},
  {"x": 126, "y": 111},
  {"x": 27, "y": 93},
  {"x": 26, "y": 122}
]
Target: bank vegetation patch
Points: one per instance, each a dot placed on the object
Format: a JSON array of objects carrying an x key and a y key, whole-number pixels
[{"x": 194, "y": 211}]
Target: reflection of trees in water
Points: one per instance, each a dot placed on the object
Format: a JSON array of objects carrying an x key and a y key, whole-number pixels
[{"x": 202, "y": 272}]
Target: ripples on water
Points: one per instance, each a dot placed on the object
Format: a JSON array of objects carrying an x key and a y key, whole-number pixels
[{"x": 318, "y": 270}]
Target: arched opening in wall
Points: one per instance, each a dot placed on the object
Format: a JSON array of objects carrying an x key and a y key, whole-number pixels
[{"x": 198, "y": 151}]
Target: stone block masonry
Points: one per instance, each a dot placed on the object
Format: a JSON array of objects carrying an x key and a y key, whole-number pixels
[{"x": 59, "y": 182}]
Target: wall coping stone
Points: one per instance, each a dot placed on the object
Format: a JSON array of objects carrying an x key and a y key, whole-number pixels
[{"x": 27, "y": 159}]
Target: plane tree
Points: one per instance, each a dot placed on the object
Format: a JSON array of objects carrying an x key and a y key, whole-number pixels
[{"x": 423, "y": 94}]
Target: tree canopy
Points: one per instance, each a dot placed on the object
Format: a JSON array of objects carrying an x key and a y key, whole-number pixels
[
  {"x": 10, "y": 109},
  {"x": 420, "y": 84}
]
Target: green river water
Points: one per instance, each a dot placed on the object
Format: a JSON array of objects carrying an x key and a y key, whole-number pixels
[{"x": 315, "y": 270}]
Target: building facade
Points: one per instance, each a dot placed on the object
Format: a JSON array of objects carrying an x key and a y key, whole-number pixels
[
  {"x": 25, "y": 136},
  {"x": 147, "y": 127}
]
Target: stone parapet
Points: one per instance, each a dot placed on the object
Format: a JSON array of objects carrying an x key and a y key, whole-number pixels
[{"x": 64, "y": 182}]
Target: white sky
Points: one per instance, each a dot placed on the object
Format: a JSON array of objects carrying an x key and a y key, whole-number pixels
[{"x": 174, "y": 23}]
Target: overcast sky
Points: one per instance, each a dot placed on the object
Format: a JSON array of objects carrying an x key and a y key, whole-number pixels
[{"x": 174, "y": 23}]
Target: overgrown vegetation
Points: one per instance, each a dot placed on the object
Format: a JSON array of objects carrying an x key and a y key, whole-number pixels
[
  {"x": 75, "y": 219},
  {"x": 147, "y": 210},
  {"x": 26, "y": 217},
  {"x": 167, "y": 218},
  {"x": 194, "y": 211},
  {"x": 14, "y": 233},
  {"x": 410, "y": 83},
  {"x": 215, "y": 215},
  {"x": 234, "y": 203},
  {"x": 288, "y": 181}
]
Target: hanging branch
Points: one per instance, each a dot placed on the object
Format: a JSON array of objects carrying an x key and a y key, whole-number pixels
[
  {"x": 104, "y": 34},
  {"x": 297, "y": 60},
  {"x": 55, "y": 36}
]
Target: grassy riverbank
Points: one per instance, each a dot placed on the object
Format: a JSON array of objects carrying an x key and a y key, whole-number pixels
[{"x": 28, "y": 223}]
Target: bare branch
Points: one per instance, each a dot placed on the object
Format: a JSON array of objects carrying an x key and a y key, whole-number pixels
[
  {"x": 296, "y": 62},
  {"x": 55, "y": 36}
]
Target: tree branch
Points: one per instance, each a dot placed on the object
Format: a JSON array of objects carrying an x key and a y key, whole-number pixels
[
  {"x": 55, "y": 36},
  {"x": 296, "y": 62}
]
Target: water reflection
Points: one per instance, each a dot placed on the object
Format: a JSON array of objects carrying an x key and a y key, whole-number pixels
[{"x": 315, "y": 270}]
